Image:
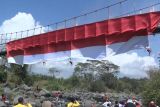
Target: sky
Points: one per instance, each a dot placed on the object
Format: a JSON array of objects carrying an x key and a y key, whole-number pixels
[{"x": 17, "y": 15}]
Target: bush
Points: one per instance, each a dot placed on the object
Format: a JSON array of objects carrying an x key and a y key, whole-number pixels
[
  {"x": 54, "y": 85},
  {"x": 3, "y": 76},
  {"x": 97, "y": 86},
  {"x": 29, "y": 80}
]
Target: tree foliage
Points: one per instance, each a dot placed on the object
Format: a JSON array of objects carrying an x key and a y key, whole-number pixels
[
  {"x": 20, "y": 74},
  {"x": 95, "y": 68},
  {"x": 152, "y": 87},
  {"x": 102, "y": 75},
  {"x": 96, "y": 75},
  {"x": 3, "y": 69},
  {"x": 3, "y": 74}
]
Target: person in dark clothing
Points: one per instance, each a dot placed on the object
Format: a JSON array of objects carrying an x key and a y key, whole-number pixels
[
  {"x": 3, "y": 97},
  {"x": 116, "y": 104},
  {"x": 130, "y": 104},
  {"x": 121, "y": 103}
]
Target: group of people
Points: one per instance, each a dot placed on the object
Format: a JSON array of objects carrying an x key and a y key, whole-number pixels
[
  {"x": 125, "y": 103},
  {"x": 20, "y": 102},
  {"x": 74, "y": 103},
  {"x": 128, "y": 103}
]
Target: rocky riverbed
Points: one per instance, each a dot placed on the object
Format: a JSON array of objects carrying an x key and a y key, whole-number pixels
[{"x": 37, "y": 96}]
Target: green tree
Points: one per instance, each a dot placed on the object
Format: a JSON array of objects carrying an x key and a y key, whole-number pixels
[
  {"x": 95, "y": 68},
  {"x": 96, "y": 75},
  {"x": 20, "y": 73},
  {"x": 3, "y": 69},
  {"x": 152, "y": 87},
  {"x": 97, "y": 86},
  {"x": 110, "y": 80},
  {"x": 3, "y": 73}
]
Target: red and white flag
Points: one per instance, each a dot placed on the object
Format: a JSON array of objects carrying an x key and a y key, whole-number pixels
[
  {"x": 96, "y": 40},
  {"x": 107, "y": 49}
]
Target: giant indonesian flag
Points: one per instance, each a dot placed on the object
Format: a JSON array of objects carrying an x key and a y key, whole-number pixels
[{"x": 95, "y": 40}]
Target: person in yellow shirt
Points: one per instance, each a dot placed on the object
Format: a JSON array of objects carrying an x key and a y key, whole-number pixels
[
  {"x": 20, "y": 102},
  {"x": 27, "y": 104},
  {"x": 73, "y": 103}
]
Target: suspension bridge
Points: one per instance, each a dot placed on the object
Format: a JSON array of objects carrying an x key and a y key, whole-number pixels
[{"x": 90, "y": 17}]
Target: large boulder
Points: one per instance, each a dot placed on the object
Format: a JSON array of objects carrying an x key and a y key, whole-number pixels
[
  {"x": 37, "y": 103},
  {"x": 43, "y": 92},
  {"x": 7, "y": 90},
  {"x": 47, "y": 104},
  {"x": 25, "y": 87},
  {"x": 87, "y": 103}
]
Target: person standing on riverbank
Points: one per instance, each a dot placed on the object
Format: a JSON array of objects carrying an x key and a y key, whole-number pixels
[
  {"x": 107, "y": 103},
  {"x": 20, "y": 102},
  {"x": 130, "y": 103},
  {"x": 152, "y": 104},
  {"x": 116, "y": 104},
  {"x": 73, "y": 103}
]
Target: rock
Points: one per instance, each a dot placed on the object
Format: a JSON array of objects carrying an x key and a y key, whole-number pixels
[
  {"x": 37, "y": 103},
  {"x": 42, "y": 98},
  {"x": 43, "y": 92},
  {"x": 36, "y": 94},
  {"x": 2, "y": 104},
  {"x": 7, "y": 91},
  {"x": 25, "y": 87},
  {"x": 30, "y": 93},
  {"x": 87, "y": 103},
  {"x": 46, "y": 104},
  {"x": 15, "y": 89}
]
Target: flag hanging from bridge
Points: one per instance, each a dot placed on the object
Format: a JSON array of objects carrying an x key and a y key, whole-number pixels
[{"x": 95, "y": 40}]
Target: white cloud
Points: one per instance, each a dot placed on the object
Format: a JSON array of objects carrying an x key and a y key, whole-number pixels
[
  {"x": 20, "y": 22},
  {"x": 132, "y": 65},
  {"x": 65, "y": 68}
]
